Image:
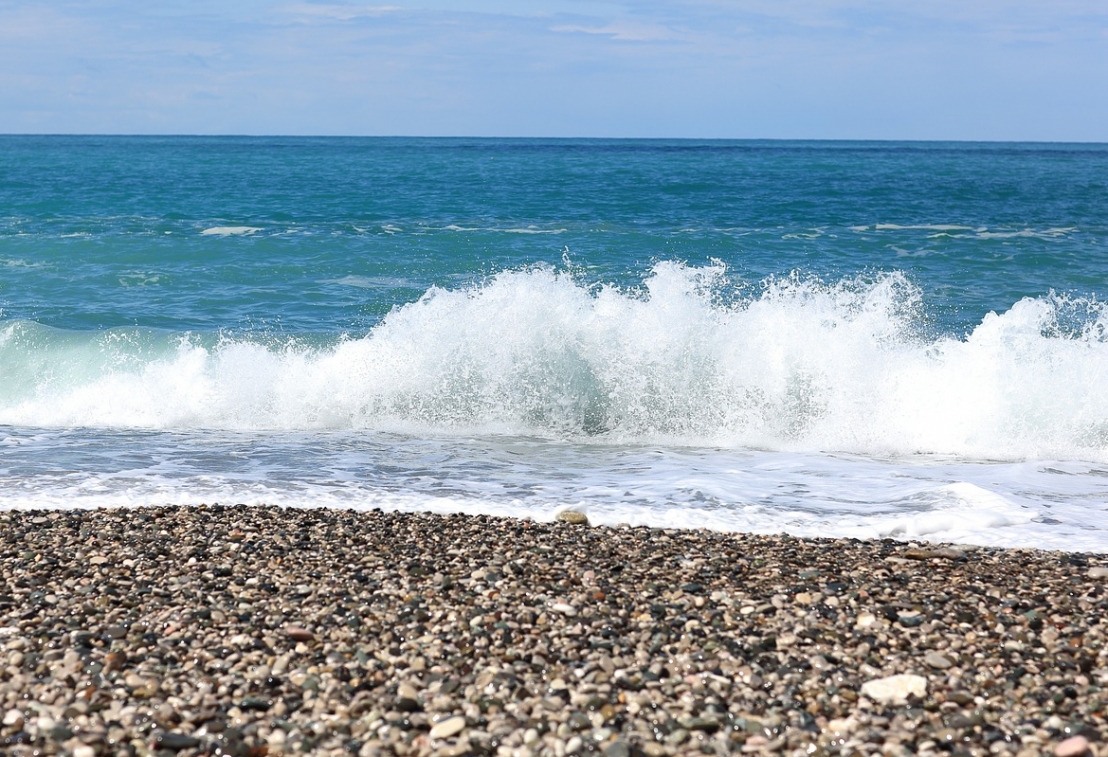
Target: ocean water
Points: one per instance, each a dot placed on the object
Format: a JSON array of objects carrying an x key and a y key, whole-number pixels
[{"x": 819, "y": 338}]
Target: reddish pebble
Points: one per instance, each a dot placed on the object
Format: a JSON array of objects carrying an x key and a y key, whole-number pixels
[
  {"x": 114, "y": 661},
  {"x": 299, "y": 633},
  {"x": 1075, "y": 746}
]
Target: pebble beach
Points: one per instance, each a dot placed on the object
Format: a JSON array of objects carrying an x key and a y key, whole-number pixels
[{"x": 265, "y": 631}]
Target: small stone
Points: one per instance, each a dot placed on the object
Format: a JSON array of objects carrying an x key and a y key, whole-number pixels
[
  {"x": 1074, "y": 746},
  {"x": 299, "y": 633},
  {"x": 564, "y": 609},
  {"x": 84, "y": 750},
  {"x": 842, "y": 726},
  {"x": 617, "y": 748},
  {"x": 945, "y": 553},
  {"x": 701, "y": 724},
  {"x": 579, "y": 721},
  {"x": 114, "y": 661},
  {"x": 14, "y": 719},
  {"x": 115, "y": 632},
  {"x": 404, "y": 704},
  {"x": 451, "y": 726},
  {"x": 1098, "y": 572},
  {"x": 574, "y": 517},
  {"x": 174, "y": 741},
  {"x": 678, "y": 736},
  {"x": 937, "y": 661},
  {"x": 895, "y": 689}
]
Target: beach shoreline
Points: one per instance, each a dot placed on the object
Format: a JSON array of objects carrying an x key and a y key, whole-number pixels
[{"x": 261, "y": 630}]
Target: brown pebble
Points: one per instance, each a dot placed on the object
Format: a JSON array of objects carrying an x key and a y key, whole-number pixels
[
  {"x": 1075, "y": 746},
  {"x": 114, "y": 661},
  {"x": 299, "y": 633}
]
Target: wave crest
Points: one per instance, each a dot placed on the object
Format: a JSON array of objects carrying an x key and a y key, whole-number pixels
[{"x": 690, "y": 357}]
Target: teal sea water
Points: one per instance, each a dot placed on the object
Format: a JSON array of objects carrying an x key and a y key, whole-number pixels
[{"x": 832, "y": 338}]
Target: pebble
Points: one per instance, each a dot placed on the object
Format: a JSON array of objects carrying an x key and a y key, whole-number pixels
[
  {"x": 574, "y": 517},
  {"x": 895, "y": 689},
  {"x": 937, "y": 660},
  {"x": 174, "y": 741},
  {"x": 1074, "y": 746},
  {"x": 299, "y": 633},
  {"x": 617, "y": 748},
  {"x": 1098, "y": 572},
  {"x": 928, "y": 553},
  {"x": 451, "y": 635},
  {"x": 444, "y": 729}
]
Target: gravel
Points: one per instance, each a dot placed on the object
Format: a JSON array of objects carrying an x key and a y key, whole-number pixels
[{"x": 257, "y": 630}]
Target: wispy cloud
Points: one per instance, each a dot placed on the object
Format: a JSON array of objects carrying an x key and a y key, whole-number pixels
[
  {"x": 822, "y": 68},
  {"x": 631, "y": 31},
  {"x": 336, "y": 12}
]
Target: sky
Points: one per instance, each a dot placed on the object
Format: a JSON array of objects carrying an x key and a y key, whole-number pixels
[{"x": 778, "y": 69}]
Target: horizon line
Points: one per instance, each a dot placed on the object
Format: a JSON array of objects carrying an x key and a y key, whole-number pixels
[{"x": 243, "y": 135}]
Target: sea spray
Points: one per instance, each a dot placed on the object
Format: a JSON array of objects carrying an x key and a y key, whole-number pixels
[{"x": 693, "y": 356}]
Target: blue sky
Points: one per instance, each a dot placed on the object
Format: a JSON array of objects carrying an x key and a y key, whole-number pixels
[{"x": 854, "y": 69}]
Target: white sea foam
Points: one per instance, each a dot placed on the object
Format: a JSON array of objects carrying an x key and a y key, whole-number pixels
[
  {"x": 917, "y": 227},
  {"x": 229, "y": 231},
  {"x": 1025, "y": 233},
  {"x": 1051, "y": 505},
  {"x": 370, "y": 282},
  {"x": 802, "y": 366},
  {"x": 510, "y": 230}
]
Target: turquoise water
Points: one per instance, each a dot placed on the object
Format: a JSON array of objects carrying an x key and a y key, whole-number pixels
[{"x": 820, "y": 337}]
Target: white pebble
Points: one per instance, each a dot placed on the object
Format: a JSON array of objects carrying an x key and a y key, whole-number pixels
[
  {"x": 444, "y": 729},
  {"x": 895, "y": 689}
]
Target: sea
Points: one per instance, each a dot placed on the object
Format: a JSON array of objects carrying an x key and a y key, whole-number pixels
[{"x": 902, "y": 340}]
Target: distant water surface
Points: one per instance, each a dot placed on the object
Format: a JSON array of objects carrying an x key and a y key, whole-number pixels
[{"x": 823, "y": 338}]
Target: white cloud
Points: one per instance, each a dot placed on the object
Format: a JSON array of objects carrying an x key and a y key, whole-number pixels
[
  {"x": 335, "y": 12},
  {"x": 624, "y": 30},
  {"x": 821, "y": 68}
]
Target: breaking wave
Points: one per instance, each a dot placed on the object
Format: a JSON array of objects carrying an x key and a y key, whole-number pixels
[{"x": 690, "y": 357}]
